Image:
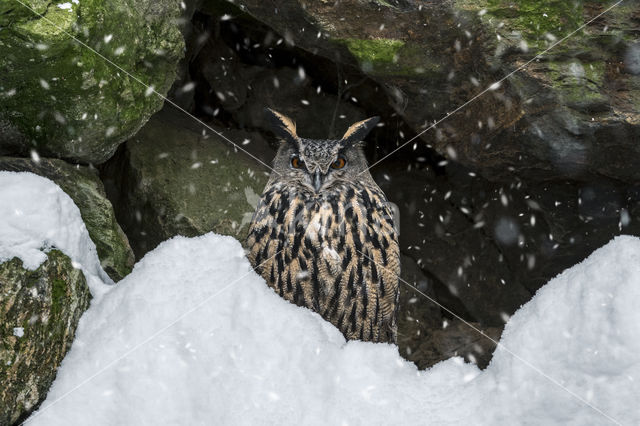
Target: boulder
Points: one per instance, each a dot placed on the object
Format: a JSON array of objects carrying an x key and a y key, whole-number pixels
[
  {"x": 84, "y": 187},
  {"x": 39, "y": 313},
  {"x": 571, "y": 114},
  {"x": 470, "y": 340},
  {"x": 176, "y": 178},
  {"x": 421, "y": 56},
  {"x": 64, "y": 100},
  {"x": 577, "y": 105},
  {"x": 506, "y": 211}
]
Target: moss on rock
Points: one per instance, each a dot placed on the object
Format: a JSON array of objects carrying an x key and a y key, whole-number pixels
[
  {"x": 579, "y": 84},
  {"x": 377, "y": 51},
  {"x": 536, "y": 18},
  {"x": 533, "y": 21},
  {"x": 391, "y": 57},
  {"x": 39, "y": 313},
  {"x": 64, "y": 99}
]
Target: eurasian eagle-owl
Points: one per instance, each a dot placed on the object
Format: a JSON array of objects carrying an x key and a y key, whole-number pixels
[{"x": 323, "y": 235}]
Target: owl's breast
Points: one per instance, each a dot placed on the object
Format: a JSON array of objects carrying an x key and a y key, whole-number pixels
[
  {"x": 333, "y": 227},
  {"x": 336, "y": 253}
]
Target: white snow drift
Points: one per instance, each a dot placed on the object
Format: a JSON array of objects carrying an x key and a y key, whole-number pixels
[{"x": 193, "y": 336}]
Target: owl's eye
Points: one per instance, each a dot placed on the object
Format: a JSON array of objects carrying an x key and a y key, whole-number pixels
[
  {"x": 339, "y": 163},
  {"x": 296, "y": 162}
]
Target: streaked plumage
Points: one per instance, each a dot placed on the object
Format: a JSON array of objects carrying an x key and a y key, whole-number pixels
[{"x": 331, "y": 231}]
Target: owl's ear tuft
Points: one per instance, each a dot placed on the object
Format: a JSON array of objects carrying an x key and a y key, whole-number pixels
[
  {"x": 358, "y": 131},
  {"x": 282, "y": 125}
]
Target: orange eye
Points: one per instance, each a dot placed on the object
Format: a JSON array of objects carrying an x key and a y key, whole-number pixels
[
  {"x": 339, "y": 163},
  {"x": 297, "y": 163}
]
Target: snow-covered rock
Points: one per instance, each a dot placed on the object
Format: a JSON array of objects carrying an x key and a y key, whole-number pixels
[
  {"x": 86, "y": 190},
  {"x": 193, "y": 336},
  {"x": 37, "y": 215}
]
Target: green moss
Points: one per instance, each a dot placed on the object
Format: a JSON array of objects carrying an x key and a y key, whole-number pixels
[
  {"x": 392, "y": 57},
  {"x": 579, "y": 84},
  {"x": 86, "y": 190},
  {"x": 380, "y": 51},
  {"x": 535, "y": 18},
  {"x": 531, "y": 20},
  {"x": 58, "y": 292},
  {"x": 19, "y": 12},
  {"x": 57, "y": 22}
]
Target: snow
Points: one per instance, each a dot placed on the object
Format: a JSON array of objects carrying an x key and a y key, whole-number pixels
[
  {"x": 193, "y": 336},
  {"x": 35, "y": 215}
]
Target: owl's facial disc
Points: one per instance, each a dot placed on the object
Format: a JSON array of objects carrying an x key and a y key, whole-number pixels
[
  {"x": 318, "y": 159},
  {"x": 312, "y": 176}
]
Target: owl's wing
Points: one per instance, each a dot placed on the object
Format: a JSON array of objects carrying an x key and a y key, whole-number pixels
[
  {"x": 384, "y": 251},
  {"x": 263, "y": 225},
  {"x": 377, "y": 263}
]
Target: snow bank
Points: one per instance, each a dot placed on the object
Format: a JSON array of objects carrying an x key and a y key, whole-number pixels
[
  {"x": 193, "y": 336},
  {"x": 241, "y": 355},
  {"x": 582, "y": 330}
]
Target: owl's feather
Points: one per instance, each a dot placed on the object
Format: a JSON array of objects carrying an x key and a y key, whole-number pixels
[
  {"x": 357, "y": 131},
  {"x": 282, "y": 125},
  {"x": 324, "y": 248}
]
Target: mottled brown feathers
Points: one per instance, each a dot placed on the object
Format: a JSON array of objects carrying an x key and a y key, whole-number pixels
[
  {"x": 282, "y": 125},
  {"x": 337, "y": 255}
]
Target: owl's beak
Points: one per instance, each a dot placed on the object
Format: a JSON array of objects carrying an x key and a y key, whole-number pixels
[{"x": 317, "y": 180}]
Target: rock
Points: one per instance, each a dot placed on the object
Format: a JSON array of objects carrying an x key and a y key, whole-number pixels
[
  {"x": 539, "y": 170},
  {"x": 84, "y": 187},
  {"x": 426, "y": 334},
  {"x": 171, "y": 180},
  {"x": 491, "y": 246},
  {"x": 228, "y": 78},
  {"x": 59, "y": 97},
  {"x": 576, "y": 107},
  {"x": 456, "y": 338},
  {"x": 421, "y": 56},
  {"x": 571, "y": 114},
  {"x": 417, "y": 303},
  {"x": 183, "y": 89},
  {"x": 576, "y": 219},
  {"x": 39, "y": 313},
  {"x": 569, "y": 119}
]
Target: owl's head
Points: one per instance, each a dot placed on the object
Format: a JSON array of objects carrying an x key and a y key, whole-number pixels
[{"x": 320, "y": 164}]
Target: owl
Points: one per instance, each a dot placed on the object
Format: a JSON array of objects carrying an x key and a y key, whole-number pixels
[{"x": 323, "y": 235}]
